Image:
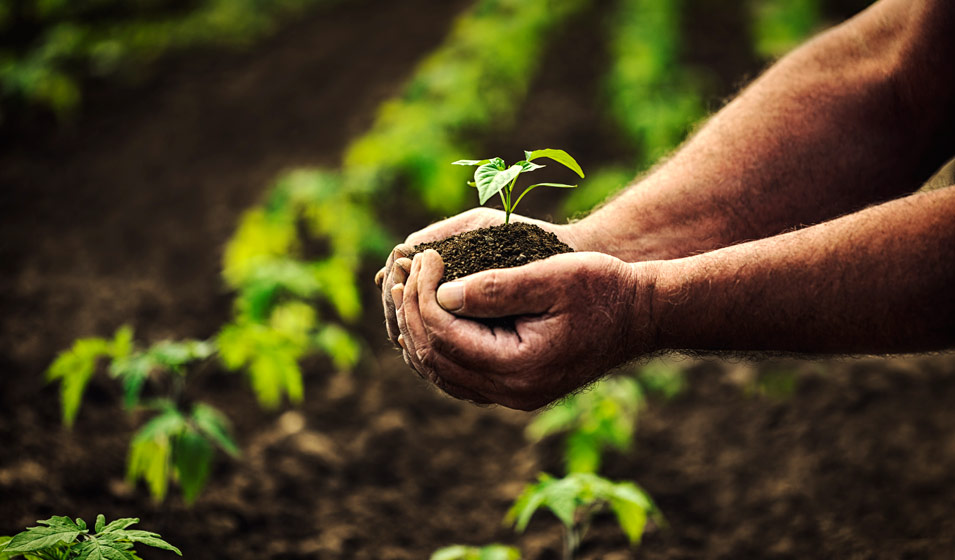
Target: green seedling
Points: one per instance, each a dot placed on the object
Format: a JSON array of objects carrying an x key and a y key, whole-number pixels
[
  {"x": 576, "y": 498},
  {"x": 489, "y": 552},
  {"x": 178, "y": 443},
  {"x": 62, "y": 538},
  {"x": 603, "y": 416},
  {"x": 493, "y": 176}
]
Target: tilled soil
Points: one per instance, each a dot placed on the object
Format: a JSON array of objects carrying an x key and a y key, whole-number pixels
[{"x": 120, "y": 217}]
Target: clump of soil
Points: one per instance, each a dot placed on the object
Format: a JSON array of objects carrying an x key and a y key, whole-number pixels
[{"x": 503, "y": 246}]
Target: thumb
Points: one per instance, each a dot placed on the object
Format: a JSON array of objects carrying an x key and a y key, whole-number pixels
[{"x": 505, "y": 292}]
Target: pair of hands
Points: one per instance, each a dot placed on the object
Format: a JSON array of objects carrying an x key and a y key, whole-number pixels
[{"x": 521, "y": 337}]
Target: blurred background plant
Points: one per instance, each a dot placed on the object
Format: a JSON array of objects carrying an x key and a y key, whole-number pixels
[{"x": 48, "y": 47}]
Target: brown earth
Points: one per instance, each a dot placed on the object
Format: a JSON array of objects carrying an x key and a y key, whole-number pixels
[
  {"x": 120, "y": 217},
  {"x": 503, "y": 246}
]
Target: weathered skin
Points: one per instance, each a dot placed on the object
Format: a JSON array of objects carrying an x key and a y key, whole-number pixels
[{"x": 847, "y": 125}]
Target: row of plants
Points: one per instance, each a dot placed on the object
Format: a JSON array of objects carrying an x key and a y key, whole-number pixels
[{"x": 47, "y": 47}]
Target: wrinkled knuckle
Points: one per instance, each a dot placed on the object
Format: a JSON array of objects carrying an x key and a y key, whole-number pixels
[{"x": 490, "y": 289}]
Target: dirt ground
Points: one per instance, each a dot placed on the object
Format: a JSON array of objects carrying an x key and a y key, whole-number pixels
[{"x": 120, "y": 217}]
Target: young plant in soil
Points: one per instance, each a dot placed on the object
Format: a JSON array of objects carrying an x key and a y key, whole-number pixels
[
  {"x": 62, "y": 538},
  {"x": 506, "y": 245},
  {"x": 178, "y": 443},
  {"x": 576, "y": 498}
]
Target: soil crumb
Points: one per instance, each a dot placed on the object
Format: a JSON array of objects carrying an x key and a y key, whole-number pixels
[{"x": 503, "y": 246}]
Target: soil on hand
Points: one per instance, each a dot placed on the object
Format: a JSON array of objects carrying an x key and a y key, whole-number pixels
[{"x": 503, "y": 246}]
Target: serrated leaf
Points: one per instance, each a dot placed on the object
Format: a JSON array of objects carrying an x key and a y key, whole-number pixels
[
  {"x": 80, "y": 523},
  {"x": 215, "y": 426},
  {"x": 151, "y": 539},
  {"x": 100, "y": 523},
  {"x": 192, "y": 457},
  {"x": 490, "y": 179},
  {"x": 74, "y": 368},
  {"x": 119, "y": 524},
  {"x": 38, "y": 538},
  {"x": 560, "y": 156},
  {"x": 103, "y": 549}
]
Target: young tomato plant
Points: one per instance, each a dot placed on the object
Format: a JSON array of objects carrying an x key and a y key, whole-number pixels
[
  {"x": 603, "y": 416},
  {"x": 576, "y": 498},
  {"x": 62, "y": 538},
  {"x": 178, "y": 442},
  {"x": 493, "y": 176}
]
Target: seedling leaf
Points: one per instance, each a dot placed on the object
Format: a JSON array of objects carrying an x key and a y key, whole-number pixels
[
  {"x": 150, "y": 539},
  {"x": 214, "y": 426},
  {"x": 58, "y": 530},
  {"x": 193, "y": 460},
  {"x": 470, "y": 162},
  {"x": 490, "y": 179},
  {"x": 489, "y": 552},
  {"x": 560, "y": 156}
]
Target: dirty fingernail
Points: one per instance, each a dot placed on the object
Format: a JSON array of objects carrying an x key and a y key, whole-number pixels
[
  {"x": 380, "y": 278},
  {"x": 451, "y": 296},
  {"x": 398, "y": 294},
  {"x": 401, "y": 341}
]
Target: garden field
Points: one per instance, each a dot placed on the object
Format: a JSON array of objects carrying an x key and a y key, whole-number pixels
[{"x": 244, "y": 196}]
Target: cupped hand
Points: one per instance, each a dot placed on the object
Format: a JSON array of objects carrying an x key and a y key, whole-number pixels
[
  {"x": 398, "y": 265},
  {"x": 525, "y": 336}
]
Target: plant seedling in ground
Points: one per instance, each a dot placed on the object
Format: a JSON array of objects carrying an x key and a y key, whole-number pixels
[
  {"x": 576, "y": 498},
  {"x": 62, "y": 538},
  {"x": 493, "y": 176},
  {"x": 603, "y": 416},
  {"x": 179, "y": 441}
]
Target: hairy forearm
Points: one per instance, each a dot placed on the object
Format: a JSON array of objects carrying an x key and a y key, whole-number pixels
[
  {"x": 859, "y": 115},
  {"x": 877, "y": 281}
]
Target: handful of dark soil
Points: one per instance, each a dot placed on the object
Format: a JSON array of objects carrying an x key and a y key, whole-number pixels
[{"x": 503, "y": 246}]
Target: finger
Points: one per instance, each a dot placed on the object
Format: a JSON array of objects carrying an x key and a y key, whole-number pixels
[
  {"x": 387, "y": 302},
  {"x": 476, "y": 339},
  {"x": 524, "y": 290},
  {"x": 401, "y": 269},
  {"x": 380, "y": 277},
  {"x": 407, "y": 344}
]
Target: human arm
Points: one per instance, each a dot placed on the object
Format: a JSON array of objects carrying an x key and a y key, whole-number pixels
[
  {"x": 858, "y": 115},
  {"x": 875, "y": 281}
]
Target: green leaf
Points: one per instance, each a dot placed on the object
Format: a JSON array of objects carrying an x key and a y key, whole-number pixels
[
  {"x": 491, "y": 179},
  {"x": 530, "y": 166},
  {"x": 103, "y": 549},
  {"x": 631, "y": 517},
  {"x": 470, "y": 162},
  {"x": 192, "y": 457},
  {"x": 119, "y": 524},
  {"x": 58, "y": 530},
  {"x": 582, "y": 453},
  {"x": 215, "y": 426},
  {"x": 558, "y": 185},
  {"x": 560, "y": 156},
  {"x": 150, "y": 454},
  {"x": 100, "y": 523},
  {"x": 150, "y": 539},
  {"x": 74, "y": 368},
  {"x": 339, "y": 345},
  {"x": 489, "y": 552}
]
